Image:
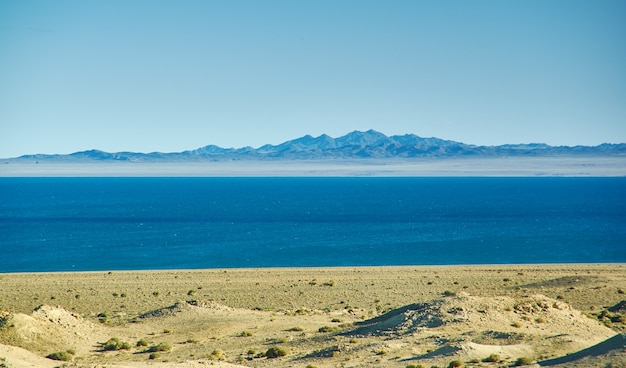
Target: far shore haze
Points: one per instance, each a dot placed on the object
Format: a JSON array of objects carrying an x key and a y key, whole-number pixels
[{"x": 498, "y": 166}]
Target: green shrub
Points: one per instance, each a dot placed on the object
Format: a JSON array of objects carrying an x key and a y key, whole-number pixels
[
  {"x": 455, "y": 364},
  {"x": 60, "y": 355},
  {"x": 415, "y": 366},
  {"x": 276, "y": 351},
  {"x": 217, "y": 354},
  {"x": 163, "y": 346},
  {"x": 115, "y": 344},
  {"x": 328, "y": 329},
  {"x": 493, "y": 358},
  {"x": 142, "y": 342},
  {"x": 523, "y": 361},
  {"x": 154, "y": 356}
]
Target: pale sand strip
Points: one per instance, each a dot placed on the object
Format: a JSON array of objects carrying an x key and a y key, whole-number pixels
[{"x": 493, "y": 166}]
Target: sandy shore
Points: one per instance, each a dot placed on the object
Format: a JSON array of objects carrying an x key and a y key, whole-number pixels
[
  {"x": 317, "y": 317},
  {"x": 465, "y": 166}
]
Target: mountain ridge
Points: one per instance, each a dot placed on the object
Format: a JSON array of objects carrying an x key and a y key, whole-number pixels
[{"x": 354, "y": 145}]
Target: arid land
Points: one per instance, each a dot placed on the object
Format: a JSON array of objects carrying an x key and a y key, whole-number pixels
[{"x": 481, "y": 316}]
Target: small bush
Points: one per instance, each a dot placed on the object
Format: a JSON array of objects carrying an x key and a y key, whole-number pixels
[
  {"x": 160, "y": 347},
  {"x": 217, "y": 354},
  {"x": 296, "y": 329},
  {"x": 246, "y": 334},
  {"x": 142, "y": 342},
  {"x": 449, "y": 293},
  {"x": 516, "y": 324},
  {"x": 115, "y": 344},
  {"x": 523, "y": 361},
  {"x": 493, "y": 358},
  {"x": 455, "y": 364},
  {"x": 328, "y": 329},
  {"x": 276, "y": 351},
  {"x": 154, "y": 356},
  {"x": 415, "y": 366},
  {"x": 60, "y": 355}
]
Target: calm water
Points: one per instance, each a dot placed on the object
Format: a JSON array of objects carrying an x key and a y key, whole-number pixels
[{"x": 66, "y": 224}]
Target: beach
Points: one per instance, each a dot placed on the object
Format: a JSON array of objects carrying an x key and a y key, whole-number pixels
[{"x": 315, "y": 317}]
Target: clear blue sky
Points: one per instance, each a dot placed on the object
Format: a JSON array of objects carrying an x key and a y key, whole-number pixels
[{"x": 173, "y": 75}]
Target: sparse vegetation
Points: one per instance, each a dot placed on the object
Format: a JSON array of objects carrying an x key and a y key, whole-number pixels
[
  {"x": 163, "y": 346},
  {"x": 115, "y": 344},
  {"x": 493, "y": 358},
  {"x": 523, "y": 361},
  {"x": 324, "y": 329},
  {"x": 65, "y": 356},
  {"x": 455, "y": 364},
  {"x": 217, "y": 354},
  {"x": 316, "y": 325},
  {"x": 276, "y": 352},
  {"x": 449, "y": 293}
]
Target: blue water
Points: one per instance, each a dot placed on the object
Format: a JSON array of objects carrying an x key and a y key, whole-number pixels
[{"x": 70, "y": 224}]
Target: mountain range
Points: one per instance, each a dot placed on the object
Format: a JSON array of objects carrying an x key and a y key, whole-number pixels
[{"x": 354, "y": 145}]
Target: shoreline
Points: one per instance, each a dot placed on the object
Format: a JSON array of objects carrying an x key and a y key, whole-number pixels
[{"x": 331, "y": 268}]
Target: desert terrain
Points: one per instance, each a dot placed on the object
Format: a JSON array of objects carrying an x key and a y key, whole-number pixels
[{"x": 472, "y": 316}]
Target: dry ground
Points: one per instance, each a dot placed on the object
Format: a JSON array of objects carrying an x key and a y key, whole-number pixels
[{"x": 320, "y": 317}]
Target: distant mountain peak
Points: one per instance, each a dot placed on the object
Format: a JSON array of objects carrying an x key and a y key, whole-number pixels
[{"x": 356, "y": 144}]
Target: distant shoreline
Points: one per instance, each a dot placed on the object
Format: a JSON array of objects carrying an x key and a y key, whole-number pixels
[
  {"x": 573, "y": 166},
  {"x": 278, "y": 269}
]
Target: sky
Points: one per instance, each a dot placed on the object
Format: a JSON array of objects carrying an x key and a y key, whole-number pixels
[{"x": 167, "y": 76}]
